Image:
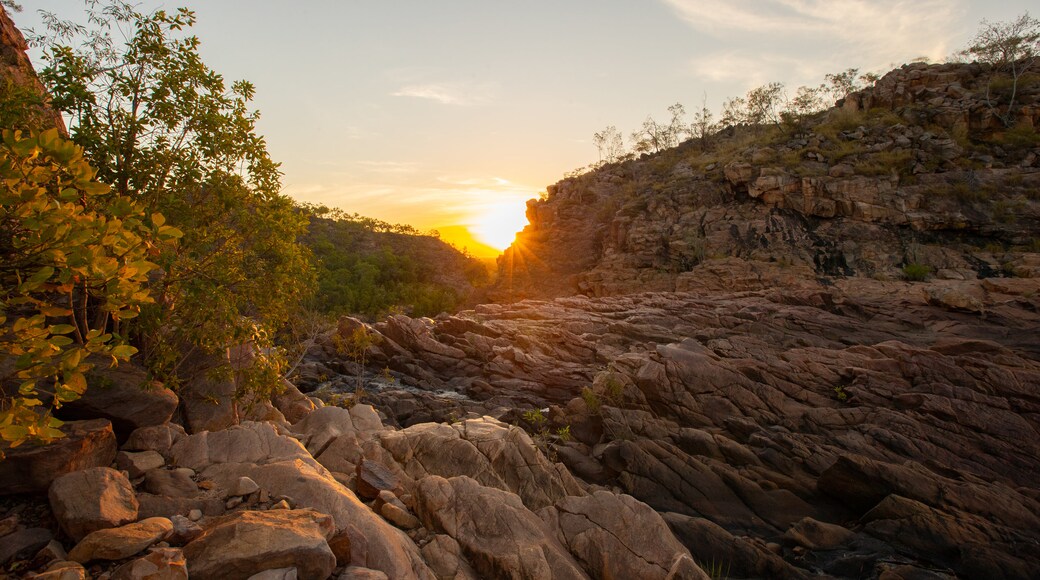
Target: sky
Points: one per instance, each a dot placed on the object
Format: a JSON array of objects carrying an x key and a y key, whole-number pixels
[{"x": 449, "y": 115}]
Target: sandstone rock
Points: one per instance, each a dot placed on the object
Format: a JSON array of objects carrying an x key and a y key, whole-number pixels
[
  {"x": 122, "y": 542},
  {"x": 293, "y": 404},
  {"x": 814, "y": 535},
  {"x": 160, "y": 563},
  {"x": 136, "y": 464},
  {"x": 616, "y": 536},
  {"x": 23, "y": 543},
  {"x": 125, "y": 395},
  {"x": 277, "y": 574},
  {"x": 373, "y": 477},
  {"x": 246, "y": 543},
  {"x": 92, "y": 499},
  {"x": 184, "y": 530},
  {"x": 171, "y": 483},
  {"x": 52, "y": 552},
  {"x": 244, "y": 486},
  {"x": 280, "y": 465},
  {"x": 158, "y": 438},
  {"x": 358, "y": 573},
  {"x": 32, "y": 468},
  {"x": 445, "y": 557},
  {"x": 502, "y": 538},
  {"x": 64, "y": 571},
  {"x": 399, "y": 517}
]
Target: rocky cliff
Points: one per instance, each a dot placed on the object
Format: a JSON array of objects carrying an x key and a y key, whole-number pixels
[{"x": 917, "y": 171}]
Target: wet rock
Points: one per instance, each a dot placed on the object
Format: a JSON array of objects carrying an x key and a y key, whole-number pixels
[{"x": 92, "y": 499}]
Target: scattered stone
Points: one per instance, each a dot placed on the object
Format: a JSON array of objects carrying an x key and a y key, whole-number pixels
[
  {"x": 281, "y": 505},
  {"x": 122, "y": 542},
  {"x": 233, "y": 503},
  {"x": 159, "y": 564},
  {"x": 167, "y": 507},
  {"x": 244, "y": 486},
  {"x": 52, "y": 552},
  {"x": 31, "y": 468},
  {"x": 92, "y": 499},
  {"x": 195, "y": 515},
  {"x": 137, "y": 464},
  {"x": 246, "y": 543}
]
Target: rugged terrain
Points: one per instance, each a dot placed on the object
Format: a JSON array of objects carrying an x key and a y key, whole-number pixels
[{"x": 794, "y": 351}]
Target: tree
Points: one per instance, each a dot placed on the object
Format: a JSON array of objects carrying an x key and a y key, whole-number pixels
[
  {"x": 610, "y": 144},
  {"x": 167, "y": 131},
  {"x": 843, "y": 84},
  {"x": 74, "y": 264},
  {"x": 703, "y": 125},
  {"x": 653, "y": 136},
  {"x": 1010, "y": 48}
]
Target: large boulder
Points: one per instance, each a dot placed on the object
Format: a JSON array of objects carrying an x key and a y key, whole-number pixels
[
  {"x": 92, "y": 499},
  {"x": 122, "y": 542},
  {"x": 246, "y": 543},
  {"x": 501, "y": 537},
  {"x": 31, "y": 468},
  {"x": 618, "y": 536},
  {"x": 124, "y": 395}
]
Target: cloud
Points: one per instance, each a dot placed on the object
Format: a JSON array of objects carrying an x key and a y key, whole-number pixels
[
  {"x": 390, "y": 167},
  {"x": 458, "y": 94},
  {"x": 774, "y": 35}
]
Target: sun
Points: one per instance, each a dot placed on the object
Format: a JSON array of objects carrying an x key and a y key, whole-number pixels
[{"x": 497, "y": 227}]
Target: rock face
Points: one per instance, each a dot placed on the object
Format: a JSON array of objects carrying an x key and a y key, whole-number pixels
[
  {"x": 741, "y": 417},
  {"x": 15, "y": 65},
  {"x": 916, "y": 170}
]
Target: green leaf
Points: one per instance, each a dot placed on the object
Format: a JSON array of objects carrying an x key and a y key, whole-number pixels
[{"x": 123, "y": 351}]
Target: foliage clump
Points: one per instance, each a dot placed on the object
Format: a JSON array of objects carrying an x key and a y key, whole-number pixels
[{"x": 75, "y": 260}]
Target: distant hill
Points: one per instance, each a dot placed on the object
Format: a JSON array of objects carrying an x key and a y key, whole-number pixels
[
  {"x": 916, "y": 176},
  {"x": 368, "y": 267}
]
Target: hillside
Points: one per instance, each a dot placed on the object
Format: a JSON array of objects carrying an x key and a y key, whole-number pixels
[
  {"x": 370, "y": 268},
  {"x": 914, "y": 173}
]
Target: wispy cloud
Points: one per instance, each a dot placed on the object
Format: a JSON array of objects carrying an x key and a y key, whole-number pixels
[
  {"x": 390, "y": 167},
  {"x": 868, "y": 33},
  {"x": 458, "y": 94}
]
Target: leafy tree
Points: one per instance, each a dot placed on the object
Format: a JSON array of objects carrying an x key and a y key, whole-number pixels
[
  {"x": 842, "y": 84},
  {"x": 74, "y": 264},
  {"x": 166, "y": 130},
  {"x": 653, "y": 136},
  {"x": 1011, "y": 49}
]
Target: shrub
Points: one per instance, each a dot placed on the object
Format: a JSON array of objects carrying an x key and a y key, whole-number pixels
[{"x": 915, "y": 272}]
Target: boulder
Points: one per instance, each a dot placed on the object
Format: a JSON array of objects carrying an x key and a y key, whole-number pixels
[
  {"x": 136, "y": 464},
  {"x": 31, "y": 468},
  {"x": 64, "y": 571},
  {"x": 502, "y": 538},
  {"x": 294, "y": 405},
  {"x": 171, "y": 482},
  {"x": 374, "y": 477},
  {"x": 276, "y": 574},
  {"x": 159, "y": 564},
  {"x": 125, "y": 395},
  {"x": 92, "y": 499},
  {"x": 246, "y": 543},
  {"x": 617, "y": 536},
  {"x": 122, "y": 542},
  {"x": 359, "y": 573},
  {"x": 445, "y": 558},
  {"x": 159, "y": 438}
]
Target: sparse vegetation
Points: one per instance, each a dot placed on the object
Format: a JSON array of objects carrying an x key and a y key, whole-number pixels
[{"x": 915, "y": 272}]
